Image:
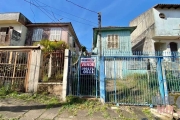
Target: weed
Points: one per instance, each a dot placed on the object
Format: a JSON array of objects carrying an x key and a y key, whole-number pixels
[
  {"x": 147, "y": 112},
  {"x": 48, "y": 100},
  {"x": 74, "y": 104},
  {"x": 45, "y": 78},
  {"x": 59, "y": 76},
  {"x": 1, "y": 116},
  {"x": 14, "y": 119},
  {"x": 106, "y": 115},
  {"x": 5, "y": 90}
]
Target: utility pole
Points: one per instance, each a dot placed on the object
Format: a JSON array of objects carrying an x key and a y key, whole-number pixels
[{"x": 99, "y": 26}]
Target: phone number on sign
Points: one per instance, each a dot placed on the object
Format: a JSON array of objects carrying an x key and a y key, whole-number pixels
[{"x": 87, "y": 70}]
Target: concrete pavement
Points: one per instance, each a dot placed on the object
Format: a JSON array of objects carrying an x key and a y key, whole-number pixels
[{"x": 21, "y": 110}]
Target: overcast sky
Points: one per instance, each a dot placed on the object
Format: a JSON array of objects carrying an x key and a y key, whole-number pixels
[{"x": 114, "y": 13}]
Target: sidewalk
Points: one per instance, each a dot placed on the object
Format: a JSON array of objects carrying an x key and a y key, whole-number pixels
[{"x": 22, "y": 110}]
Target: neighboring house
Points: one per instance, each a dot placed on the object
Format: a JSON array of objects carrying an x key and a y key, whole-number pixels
[
  {"x": 158, "y": 29},
  {"x": 115, "y": 41},
  {"x": 53, "y": 32},
  {"x": 13, "y": 29}
]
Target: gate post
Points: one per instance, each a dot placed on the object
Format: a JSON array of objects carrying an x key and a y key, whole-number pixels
[
  {"x": 160, "y": 78},
  {"x": 102, "y": 80},
  {"x": 65, "y": 74},
  {"x": 165, "y": 87},
  {"x": 34, "y": 70}
]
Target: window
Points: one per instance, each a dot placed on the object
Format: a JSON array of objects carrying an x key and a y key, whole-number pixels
[
  {"x": 162, "y": 15},
  {"x": 37, "y": 34},
  {"x": 113, "y": 41},
  {"x": 74, "y": 44},
  {"x": 55, "y": 34}
]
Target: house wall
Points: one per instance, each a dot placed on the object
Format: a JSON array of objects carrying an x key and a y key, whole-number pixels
[
  {"x": 166, "y": 46},
  {"x": 19, "y": 28},
  {"x": 65, "y": 36},
  {"x": 71, "y": 42},
  {"x": 9, "y": 17},
  {"x": 151, "y": 28},
  {"x": 124, "y": 42},
  {"x": 143, "y": 23},
  {"x": 115, "y": 67},
  {"x": 13, "y": 18},
  {"x": 169, "y": 25},
  {"x": 168, "y": 29}
]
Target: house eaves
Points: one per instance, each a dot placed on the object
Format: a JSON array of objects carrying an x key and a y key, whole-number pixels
[
  {"x": 13, "y": 17},
  {"x": 169, "y": 6}
]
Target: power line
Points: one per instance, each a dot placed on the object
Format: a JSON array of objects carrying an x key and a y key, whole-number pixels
[
  {"x": 70, "y": 19},
  {"x": 82, "y": 7},
  {"x": 50, "y": 18},
  {"x": 66, "y": 12},
  {"x": 32, "y": 12},
  {"x": 38, "y": 6}
]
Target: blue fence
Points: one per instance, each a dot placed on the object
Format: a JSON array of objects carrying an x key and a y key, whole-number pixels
[
  {"x": 129, "y": 78},
  {"x": 83, "y": 76},
  {"x": 137, "y": 78}
]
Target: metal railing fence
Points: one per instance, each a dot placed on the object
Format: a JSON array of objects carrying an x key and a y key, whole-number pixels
[
  {"x": 132, "y": 78},
  {"x": 13, "y": 69},
  {"x": 52, "y": 66}
]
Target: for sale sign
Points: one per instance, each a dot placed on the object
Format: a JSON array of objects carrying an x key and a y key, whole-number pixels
[{"x": 87, "y": 66}]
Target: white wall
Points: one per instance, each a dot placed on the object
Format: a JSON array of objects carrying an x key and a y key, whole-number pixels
[
  {"x": 143, "y": 22},
  {"x": 19, "y": 28},
  {"x": 167, "y": 26}
]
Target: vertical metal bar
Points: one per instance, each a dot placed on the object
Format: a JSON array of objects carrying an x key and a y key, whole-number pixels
[
  {"x": 14, "y": 69},
  {"x": 102, "y": 80},
  {"x": 78, "y": 76},
  {"x": 96, "y": 78},
  {"x": 115, "y": 81},
  {"x": 165, "y": 85},
  {"x": 160, "y": 78}
]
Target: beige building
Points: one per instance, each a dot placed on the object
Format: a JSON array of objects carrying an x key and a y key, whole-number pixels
[
  {"x": 158, "y": 29},
  {"x": 53, "y": 32},
  {"x": 13, "y": 29},
  {"x": 17, "y": 30}
]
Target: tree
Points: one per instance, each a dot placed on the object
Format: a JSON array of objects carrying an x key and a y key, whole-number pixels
[{"x": 50, "y": 49}]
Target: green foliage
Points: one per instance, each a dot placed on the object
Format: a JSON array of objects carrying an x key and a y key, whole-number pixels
[
  {"x": 36, "y": 43},
  {"x": 73, "y": 104},
  {"x": 45, "y": 78},
  {"x": 48, "y": 100},
  {"x": 1, "y": 116},
  {"x": 53, "y": 45},
  {"x": 134, "y": 88},
  {"x": 147, "y": 112},
  {"x": 83, "y": 48},
  {"x": 172, "y": 79},
  {"x": 5, "y": 90},
  {"x": 59, "y": 76}
]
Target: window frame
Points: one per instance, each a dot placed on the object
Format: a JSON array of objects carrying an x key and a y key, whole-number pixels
[
  {"x": 113, "y": 40},
  {"x": 36, "y": 32},
  {"x": 53, "y": 34}
]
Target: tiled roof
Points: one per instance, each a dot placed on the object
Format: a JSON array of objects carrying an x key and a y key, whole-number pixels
[{"x": 175, "y": 6}]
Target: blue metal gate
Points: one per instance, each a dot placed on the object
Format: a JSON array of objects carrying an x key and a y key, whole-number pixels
[
  {"x": 80, "y": 84},
  {"x": 137, "y": 79}
]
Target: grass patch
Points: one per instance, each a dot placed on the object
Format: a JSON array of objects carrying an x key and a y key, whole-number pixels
[
  {"x": 75, "y": 104},
  {"x": 44, "y": 98},
  {"x": 147, "y": 112}
]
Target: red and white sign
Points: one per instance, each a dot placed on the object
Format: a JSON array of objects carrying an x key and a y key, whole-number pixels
[{"x": 87, "y": 66}]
